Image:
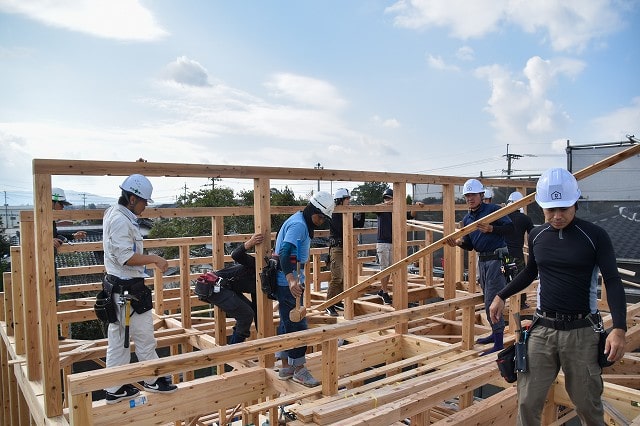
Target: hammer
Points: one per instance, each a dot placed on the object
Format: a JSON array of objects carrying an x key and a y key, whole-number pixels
[
  {"x": 299, "y": 312},
  {"x": 125, "y": 300}
]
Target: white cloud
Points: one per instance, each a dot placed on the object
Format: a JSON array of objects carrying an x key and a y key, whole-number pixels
[
  {"x": 568, "y": 25},
  {"x": 113, "y": 19},
  {"x": 214, "y": 124},
  {"x": 389, "y": 123},
  {"x": 520, "y": 106},
  {"x": 617, "y": 124},
  {"x": 465, "y": 53},
  {"x": 187, "y": 71},
  {"x": 436, "y": 62},
  {"x": 305, "y": 90},
  {"x": 466, "y": 19}
]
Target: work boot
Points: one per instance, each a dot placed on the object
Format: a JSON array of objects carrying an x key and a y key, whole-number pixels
[
  {"x": 485, "y": 340},
  {"x": 498, "y": 344}
]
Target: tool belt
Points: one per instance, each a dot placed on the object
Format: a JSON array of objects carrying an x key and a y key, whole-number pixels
[
  {"x": 335, "y": 242},
  {"x": 136, "y": 288},
  {"x": 487, "y": 255},
  {"x": 560, "y": 321},
  {"x": 497, "y": 254}
]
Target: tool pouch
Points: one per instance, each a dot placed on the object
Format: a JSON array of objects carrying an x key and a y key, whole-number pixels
[
  {"x": 105, "y": 307},
  {"x": 507, "y": 364},
  {"x": 521, "y": 364},
  {"x": 602, "y": 357},
  {"x": 598, "y": 327},
  {"x": 143, "y": 295}
]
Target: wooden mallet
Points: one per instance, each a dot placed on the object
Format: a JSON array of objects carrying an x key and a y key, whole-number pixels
[{"x": 299, "y": 312}]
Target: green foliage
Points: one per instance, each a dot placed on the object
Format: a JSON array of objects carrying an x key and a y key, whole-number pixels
[
  {"x": 219, "y": 197},
  {"x": 369, "y": 193}
]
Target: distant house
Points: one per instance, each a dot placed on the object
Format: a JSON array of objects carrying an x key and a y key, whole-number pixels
[{"x": 623, "y": 226}]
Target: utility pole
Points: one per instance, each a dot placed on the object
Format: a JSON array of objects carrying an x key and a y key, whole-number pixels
[
  {"x": 510, "y": 158},
  {"x": 318, "y": 167},
  {"x": 84, "y": 201},
  {"x": 6, "y": 211}
]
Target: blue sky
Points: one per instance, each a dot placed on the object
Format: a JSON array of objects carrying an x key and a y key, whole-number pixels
[{"x": 438, "y": 87}]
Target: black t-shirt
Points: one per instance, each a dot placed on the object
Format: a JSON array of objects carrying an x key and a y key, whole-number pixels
[
  {"x": 515, "y": 240},
  {"x": 567, "y": 261}
]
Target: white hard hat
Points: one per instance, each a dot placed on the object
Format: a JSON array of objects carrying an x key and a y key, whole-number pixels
[
  {"x": 57, "y": 194},
  {"x": 557, "y": 188},
  {"x": 472, "y": 186},
  {"x": 488, "y": 193},
  {"x": 323, "y": 201},
  {"x": 138, "y": 185},
  {"x": 341, "y": 193},
  {"x": 514, "y": 196}
]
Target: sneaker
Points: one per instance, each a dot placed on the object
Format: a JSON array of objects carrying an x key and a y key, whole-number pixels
[
  {"x": 331, "y": 310},
  {"x": 339, "y": 306},
  {"x": 125, "y": 392},
  {"x": 161, "y": 385},
  {"x": 285, "y": 373},
  {"x": 386, "y": 299},
  {"x": 304, "y": 377}
]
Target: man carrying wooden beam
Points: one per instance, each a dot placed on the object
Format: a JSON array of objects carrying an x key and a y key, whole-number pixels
[{"x": 486, "y": 240}]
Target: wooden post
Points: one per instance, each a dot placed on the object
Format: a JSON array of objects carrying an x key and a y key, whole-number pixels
[
  {"x": 43, "y": 219},
  {"x": 349, "y": 261},
  {"x": 185, "y": 288},
  {"x": 399, "y": 277},
  {"x": 329, "y": 367},
  {"x": 18, "y": 306},
  {"x": 185, "y": 300},
  {"x": 30, "y": 296},
  {"x": 80, "y": 409},
  {"x": 8, "y": 303},
  {"x": 449, "y": 223},
  {"x": 262, "y": 218}
]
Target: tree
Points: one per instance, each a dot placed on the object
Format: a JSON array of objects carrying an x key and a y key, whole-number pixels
[
  {"x": 189, "y": 226},
  {"x": 369, "y": 193},
  {"x": 219, "y": 197}
]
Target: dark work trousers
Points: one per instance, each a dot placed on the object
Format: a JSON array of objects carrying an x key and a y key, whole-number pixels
[{"x": 237, "y": 306}]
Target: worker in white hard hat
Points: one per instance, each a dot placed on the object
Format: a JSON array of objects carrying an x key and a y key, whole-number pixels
[
  {"x": 336, "y": 262},
  {"x": 125, "y": 263},
  {"x": 292, "y": 249},
  {"x": 566, "y": 253},
  {"x": 488, "y": 195},
  {"x": 487, "y": 240},
  {"x": 59, "y": 202}
]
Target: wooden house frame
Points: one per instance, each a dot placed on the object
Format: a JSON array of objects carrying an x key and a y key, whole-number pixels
[{"x": 400, "y": 362}]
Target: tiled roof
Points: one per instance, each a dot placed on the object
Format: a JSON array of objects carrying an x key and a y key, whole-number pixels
[{"x": 623, "y": 226}]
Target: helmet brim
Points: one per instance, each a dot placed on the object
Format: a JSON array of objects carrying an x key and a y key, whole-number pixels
[{"x": 555, "y": 204}]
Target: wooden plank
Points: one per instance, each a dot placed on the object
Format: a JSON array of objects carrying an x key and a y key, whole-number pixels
[
  {"x": 396, "y": 403},
  {"x": 116, "y": 168},
  {"x": 500, "y": 408},
  {"x": 201, "y": 396}
]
